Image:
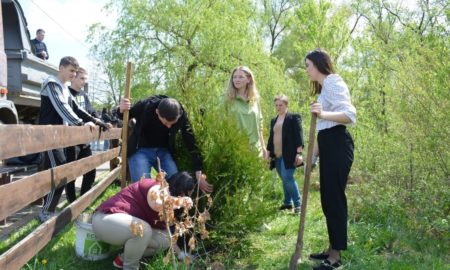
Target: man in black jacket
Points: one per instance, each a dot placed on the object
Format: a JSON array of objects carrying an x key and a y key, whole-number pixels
[
  {"x": 78, "y": 152},
  {"x": 39, "y": 47},
  {"x": 59, "y": 108},
  {"x": 158, "y": 119}
]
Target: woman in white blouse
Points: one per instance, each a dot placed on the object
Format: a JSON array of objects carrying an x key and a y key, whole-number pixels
[{"x": 334, "y": 111}]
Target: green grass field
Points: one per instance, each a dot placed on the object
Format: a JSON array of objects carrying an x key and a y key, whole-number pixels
[{"x": 371, "y": 245}]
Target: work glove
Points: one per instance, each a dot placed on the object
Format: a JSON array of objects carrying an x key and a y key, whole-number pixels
[{"x": 102, "y": 125}]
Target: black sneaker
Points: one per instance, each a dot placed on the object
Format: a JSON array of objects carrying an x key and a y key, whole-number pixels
[
  {"x": 327, "y": 265},
  {"x": 318, "y": 256},
  {"x": 285, "y": 207}
]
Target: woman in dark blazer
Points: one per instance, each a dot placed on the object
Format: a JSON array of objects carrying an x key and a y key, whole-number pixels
[{"x": 285, "y": 146}]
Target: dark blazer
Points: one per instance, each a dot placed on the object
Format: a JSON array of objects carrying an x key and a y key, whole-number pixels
[
  {"x": 292, "y": 138},
  {"x": 143, "y": 110}
]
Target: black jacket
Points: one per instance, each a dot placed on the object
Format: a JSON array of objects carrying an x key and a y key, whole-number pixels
[
  {"x": 82, "y": 99},
  {"x": 58, "y": 106},
  {"x": 38, "y": 47},
  {"x": 292, "y": 138},
  {"x": 143, "y": 110}
]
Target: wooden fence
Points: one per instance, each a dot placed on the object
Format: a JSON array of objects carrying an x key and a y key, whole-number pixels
[{"x": 18, "y": 140}]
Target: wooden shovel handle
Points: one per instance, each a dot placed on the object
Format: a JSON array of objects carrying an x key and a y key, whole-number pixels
[{"x": 125, "y": 127}]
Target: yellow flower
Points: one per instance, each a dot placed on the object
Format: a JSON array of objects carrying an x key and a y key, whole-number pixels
[{"x": 44, "y": 261}]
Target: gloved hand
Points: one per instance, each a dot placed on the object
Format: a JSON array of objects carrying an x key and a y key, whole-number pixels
[{"x": 102, "y": 125}]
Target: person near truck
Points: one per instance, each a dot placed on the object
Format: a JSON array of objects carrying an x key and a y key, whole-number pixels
[
  {"x": 58, "y": 107},
  {"x": 78, "y": 152},
  {"x": 38, "y": 45}
]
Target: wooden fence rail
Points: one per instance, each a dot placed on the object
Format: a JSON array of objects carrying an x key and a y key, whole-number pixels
[
  {"x": 33, "y": 187},
  {"x": 18, "y": 140},
  {"x": 24, "y": 250}
]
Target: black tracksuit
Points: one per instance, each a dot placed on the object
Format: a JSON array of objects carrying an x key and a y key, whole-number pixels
[
  {"x": 80, "y": 151},
  {"x": 58, "y": 108}
]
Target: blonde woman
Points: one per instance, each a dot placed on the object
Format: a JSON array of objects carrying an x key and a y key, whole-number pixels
[{"x": 243, "y": 102}]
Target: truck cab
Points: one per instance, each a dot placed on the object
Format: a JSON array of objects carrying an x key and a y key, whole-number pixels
[{"x": 21, "y": 72}]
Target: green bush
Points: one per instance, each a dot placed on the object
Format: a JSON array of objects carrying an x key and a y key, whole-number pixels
[{"x": 242, "y": 190}]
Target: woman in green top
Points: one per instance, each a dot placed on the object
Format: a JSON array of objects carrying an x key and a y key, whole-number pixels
[{"x": 243, "y": 99}]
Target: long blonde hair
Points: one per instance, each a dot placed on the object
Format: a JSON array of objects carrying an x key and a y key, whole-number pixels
[{"x": 251, "y": 90}]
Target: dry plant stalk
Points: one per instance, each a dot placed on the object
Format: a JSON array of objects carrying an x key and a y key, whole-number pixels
[{"x": 189, "y": 224}]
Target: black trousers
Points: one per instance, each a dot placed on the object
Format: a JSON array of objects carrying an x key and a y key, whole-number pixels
[
  {"x": 76, "y": 153},
  {"x": 52, "y": 159},
  {"x": 336, "y": 158}
]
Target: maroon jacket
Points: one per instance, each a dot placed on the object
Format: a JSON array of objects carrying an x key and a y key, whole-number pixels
[{"x": 132, "y": 200}]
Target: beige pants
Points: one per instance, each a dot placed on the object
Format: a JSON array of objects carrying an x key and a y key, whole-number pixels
[{"x": 115, "y": 229}]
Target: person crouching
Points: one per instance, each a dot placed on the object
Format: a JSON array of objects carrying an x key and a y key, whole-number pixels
[{"x": 130, "y": 218}]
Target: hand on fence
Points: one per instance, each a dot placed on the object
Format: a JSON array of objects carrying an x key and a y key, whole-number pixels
[
  {"x": 103, "y": 125},
  {"x": 89, "y": 124}
]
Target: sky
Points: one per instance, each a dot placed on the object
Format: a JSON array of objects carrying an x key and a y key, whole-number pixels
[
  {"x": 66, "y": 24},
  {"x": 60, "y": 17}
]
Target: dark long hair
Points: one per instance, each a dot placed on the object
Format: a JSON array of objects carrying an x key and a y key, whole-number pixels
[
  {"x": 322, "y": 61},
  {"x": 181, "y": 183}
]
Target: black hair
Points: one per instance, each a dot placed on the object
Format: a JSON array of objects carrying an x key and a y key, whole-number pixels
[
  {"x": 169, "y": 109},
  {"x": 181, "y": 183},
  {"x": 39, "y": 30},
  {"x": 322, "y": 61}
]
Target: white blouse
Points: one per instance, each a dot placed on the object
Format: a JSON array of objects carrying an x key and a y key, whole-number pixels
[{"x": 335, "y": 97}]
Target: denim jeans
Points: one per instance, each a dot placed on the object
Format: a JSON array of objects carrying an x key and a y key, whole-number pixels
[
  {"x": 290, "y": 188},
  {"x": 105, "y": 145},
  {"x": 144, "y": 159},
  {"x": 95, "y": 146}
]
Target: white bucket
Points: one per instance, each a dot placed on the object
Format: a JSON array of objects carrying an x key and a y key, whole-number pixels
[{"x": 87, "y": 246}]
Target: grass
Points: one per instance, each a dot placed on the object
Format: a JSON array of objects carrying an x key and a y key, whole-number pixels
[{"x": 372, "y": 245}]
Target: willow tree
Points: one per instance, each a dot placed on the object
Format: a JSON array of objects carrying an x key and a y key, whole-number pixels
[{"x": 187, "y": 49}]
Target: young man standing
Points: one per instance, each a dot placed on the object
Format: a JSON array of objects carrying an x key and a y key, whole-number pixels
[
  {"x": 39, "y": 47},
  {"x": 158, "y": 120},
  {"x": 59, "y": 108},
  {"x": 78, "y": 152}
]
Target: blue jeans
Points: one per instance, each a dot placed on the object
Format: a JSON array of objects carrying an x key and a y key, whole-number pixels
[
  {"x": 144, "y": 159},
  {"x": 106, "y": 145},
  {"x": 95, "y": 146},
  {"x": 290, "y": 188}
]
